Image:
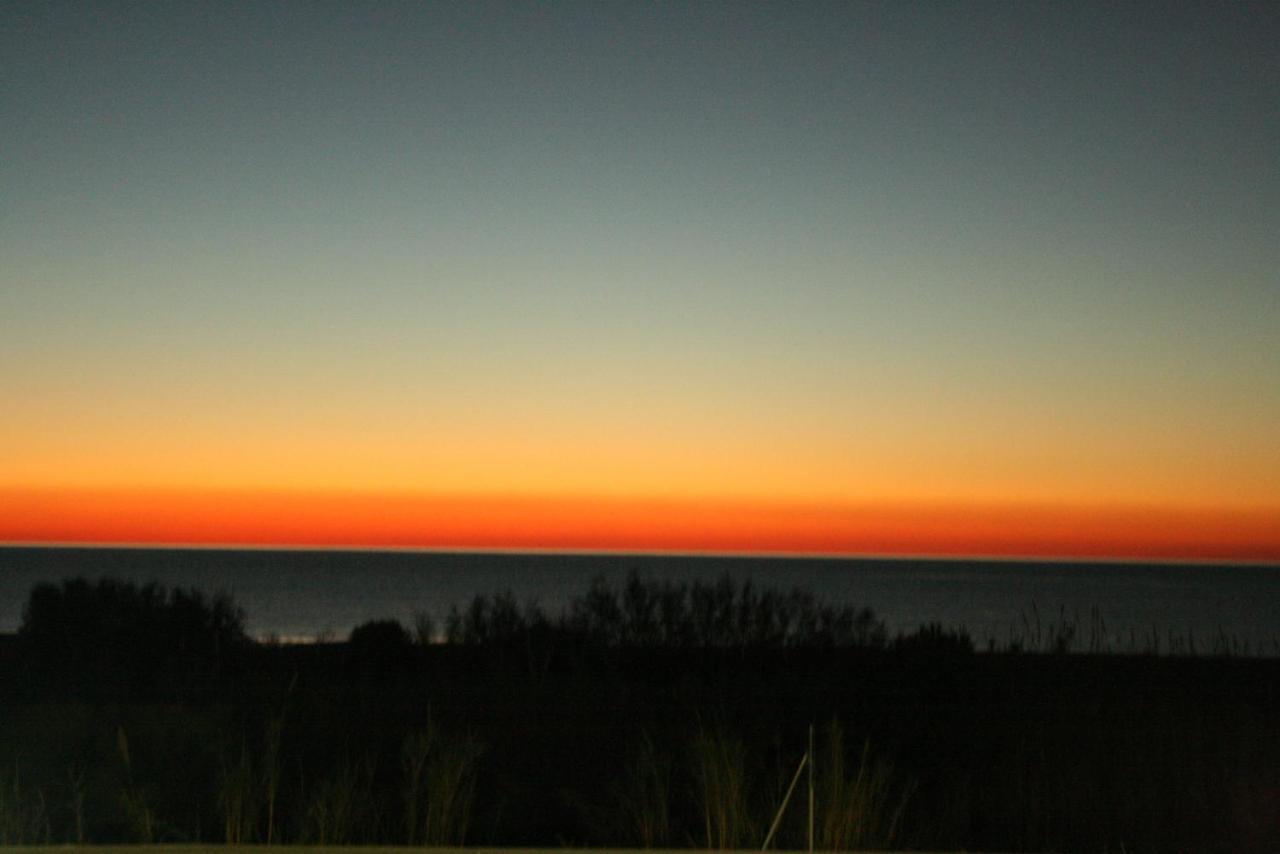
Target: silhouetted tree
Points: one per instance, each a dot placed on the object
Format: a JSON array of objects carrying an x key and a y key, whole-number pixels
[{"x": 119, "y": 635}]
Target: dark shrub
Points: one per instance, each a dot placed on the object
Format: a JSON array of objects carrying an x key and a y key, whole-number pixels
[
  {"x": 933, "y": 639},
  {"x": 118, "y": 634},
  {"x": 379, "y": 647},
  {"x": 380, "y": 635},
  {"x": 723, "y": 614}
]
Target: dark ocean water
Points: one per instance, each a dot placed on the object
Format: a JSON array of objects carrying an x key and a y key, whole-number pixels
[{"x": 304, "y": 594}]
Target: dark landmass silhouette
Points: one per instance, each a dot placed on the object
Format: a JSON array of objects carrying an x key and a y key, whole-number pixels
[{"x": 650, "y": 714}]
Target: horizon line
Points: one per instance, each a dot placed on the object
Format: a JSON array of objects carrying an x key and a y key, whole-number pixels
[{"x": 709, "y": 554}]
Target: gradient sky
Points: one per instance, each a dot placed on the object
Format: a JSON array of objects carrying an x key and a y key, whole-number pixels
[{"x": 889, "y": 269}]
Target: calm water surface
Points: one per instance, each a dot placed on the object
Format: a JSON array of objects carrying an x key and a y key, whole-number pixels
[{"x": 304, "y": 594}]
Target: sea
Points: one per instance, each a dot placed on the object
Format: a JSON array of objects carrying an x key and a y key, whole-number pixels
[{"x": 298, "y": 595}]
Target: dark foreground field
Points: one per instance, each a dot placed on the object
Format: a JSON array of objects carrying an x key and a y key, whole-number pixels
[{"x": 558, "y": 735}]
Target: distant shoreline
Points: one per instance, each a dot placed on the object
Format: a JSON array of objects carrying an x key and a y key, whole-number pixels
[{"x": 1054, "y": 560}]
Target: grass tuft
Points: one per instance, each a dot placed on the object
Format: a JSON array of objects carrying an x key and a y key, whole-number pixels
[
  {"x": 718, "y": 765},
  {"x": 439, "y": 781}
]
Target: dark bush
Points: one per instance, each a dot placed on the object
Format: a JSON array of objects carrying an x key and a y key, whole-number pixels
[
  {"x": 933, "y": 639},
  {"x": 723, "y": 614},
  {"x": 379, "y": 647},
  {"x": 118, "y": 634},
  {"x": 380, "y": 635},
  {"x": 655, "y": 614}
]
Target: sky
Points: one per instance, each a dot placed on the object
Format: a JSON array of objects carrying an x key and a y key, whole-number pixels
[{"x": 859, "y": 278}]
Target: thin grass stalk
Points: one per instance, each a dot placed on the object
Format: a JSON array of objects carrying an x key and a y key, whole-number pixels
[
  {"x": 720, "y": 776},
  {"x": 414, "y": 752},
  {"x": 272, "y": 771},
  {"x": 133, "y": 798},
  {"x": 76, "y": 787},
  {"x": 865, "y": 811},
  {"x": 331, "y": 811},
  {"x": 235, "y": 798},
  {"x": 438, "y": 786},
  {"x": 646, "y": 795}
]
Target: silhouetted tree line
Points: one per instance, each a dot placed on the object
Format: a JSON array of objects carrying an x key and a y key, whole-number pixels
[
  {"x": 649, "y": 613},
  {"x": 112, "y": 637}
]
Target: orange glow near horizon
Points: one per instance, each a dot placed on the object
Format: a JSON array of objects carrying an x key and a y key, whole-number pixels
[{"x": 334, "y": 519}]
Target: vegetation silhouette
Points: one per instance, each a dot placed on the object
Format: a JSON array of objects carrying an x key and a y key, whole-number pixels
[
  {"x": 651, "y": 713},
  {"x": 933, "y": 639},
  {"x": 385, "y": 637},
  {"x": 110, "y": 635},
  {"x": 657, "y": 614}
]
